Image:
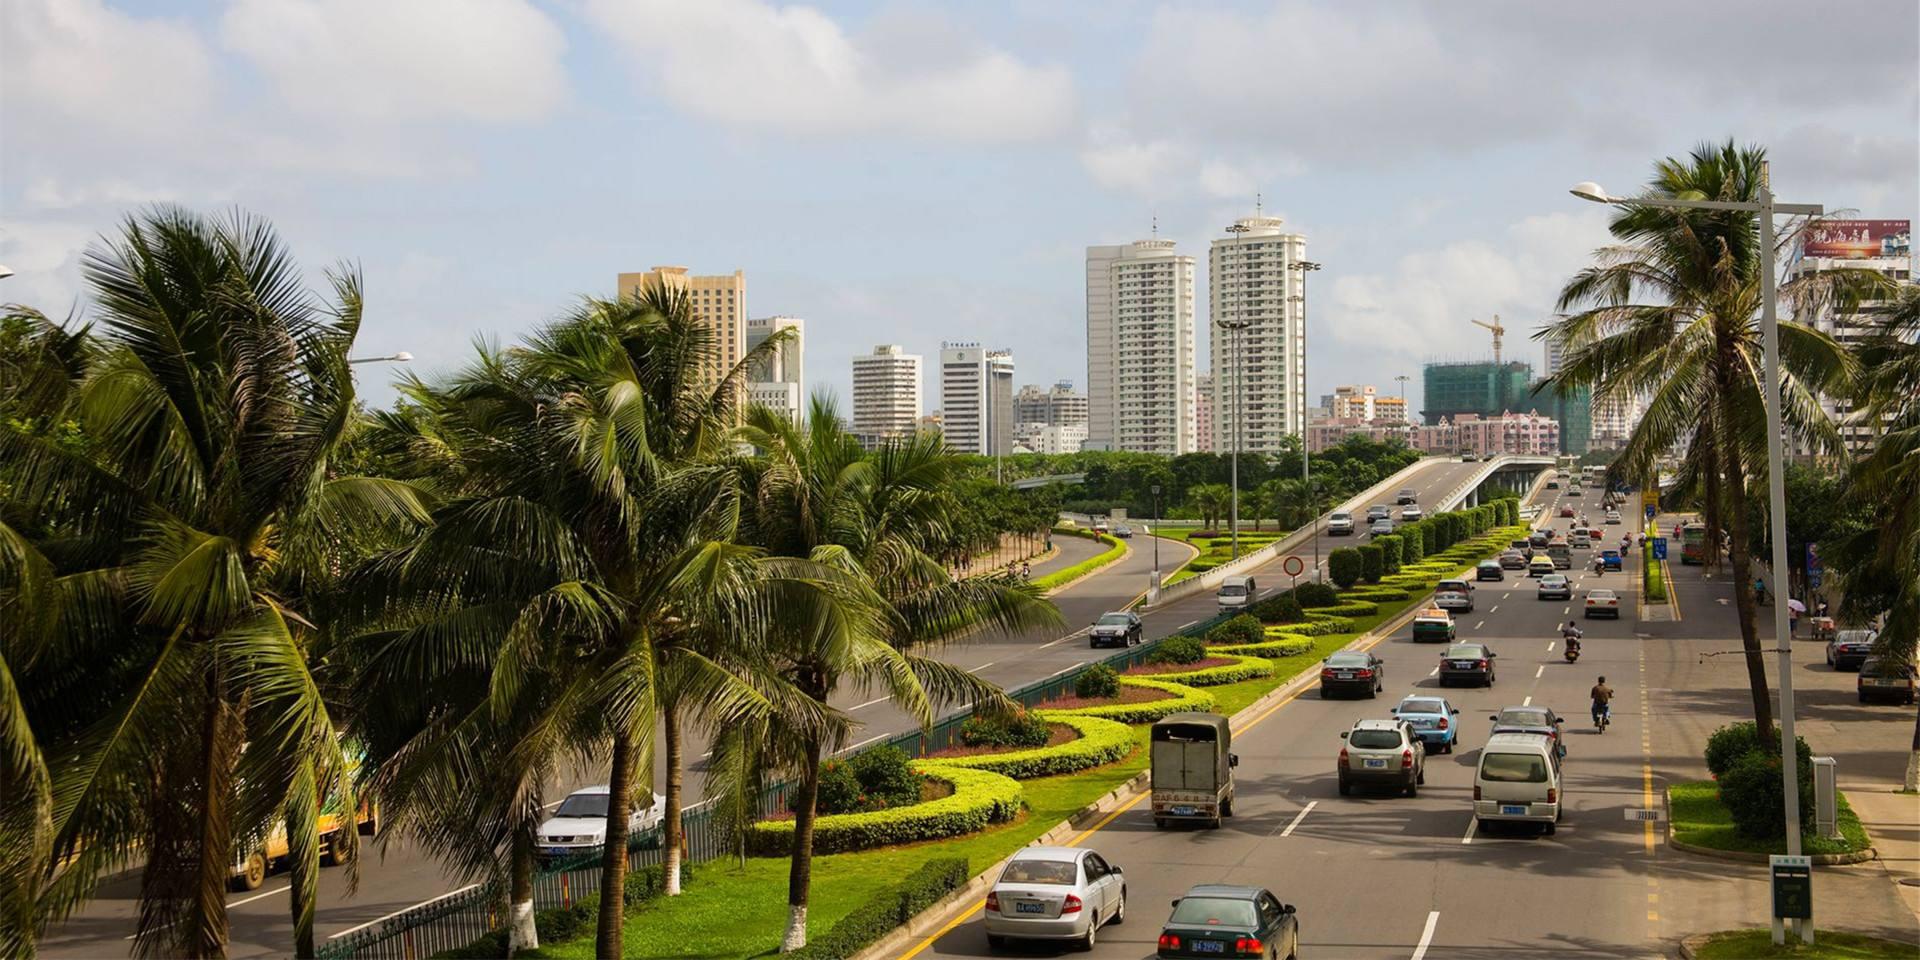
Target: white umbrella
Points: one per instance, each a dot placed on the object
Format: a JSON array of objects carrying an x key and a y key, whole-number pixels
[{"x": 1796, "y": 606}]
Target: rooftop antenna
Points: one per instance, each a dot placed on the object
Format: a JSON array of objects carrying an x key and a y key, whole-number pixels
[
  {"x": 1257, "y": 205},
  {"x": 1156, "y": 226}
]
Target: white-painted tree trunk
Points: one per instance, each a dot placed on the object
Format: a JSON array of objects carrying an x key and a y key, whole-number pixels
[
  {"x": 521, "y": 932},
  {"x": 796, "y": 936},
  {"x": 1913, "y": 770},
  {"x": 673, "y": 871}
]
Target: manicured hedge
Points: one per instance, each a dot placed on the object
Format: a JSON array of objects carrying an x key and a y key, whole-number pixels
[
  {"x": 1389, "y": 545},
  {"x": 1185, "y": 698},
  {"x": 1318, "y": 626},
  {"x": 1381, "y": 594},
  {"x": 1372, "y": 562},
  {"x": 980, "y": 798},
  {"x": 1115, "y": 547},
  {"x": 1100, "y": 742},
  {"x": 1281, "y": 646},
  {"x": 1239, "y": 629},
  {"x": 888, "y": 910},
  {"x": 1354, "y": 608},
  {"x": 1282, "y": 607},
  {"x": 1246, "y": 669},
  {"x": 1343, "y": 567},
  {"x": 1315, "y": 594}
]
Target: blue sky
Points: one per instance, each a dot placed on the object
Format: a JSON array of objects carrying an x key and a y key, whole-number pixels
[{"x": 913, "y": 172}]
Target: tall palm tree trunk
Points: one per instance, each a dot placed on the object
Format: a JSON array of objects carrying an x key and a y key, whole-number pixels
[
  {"x": 613, "y": 861},
  {"x": 800, "y": 874},
  {"x": 522, "y": 933},
  {"x": 670, "y": 820},
  {"x": 201, "y": 931},
  {"x": 1743, "y": 601}
]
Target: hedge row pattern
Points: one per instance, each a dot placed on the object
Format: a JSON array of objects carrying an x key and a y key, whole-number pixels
[
  {"x": 1350, "y": 608},
  {"x": 1285, "y": 646},
  {"x": 1100, "y": 742},
  {"x": 1244, "y": 668},
  {"x": 1114, "y": 549},
  {"x": 1184, "y": 698},
  {"x": 889, "y": 909},
  {"x": 980, "y": 798},
  {"x": 1378, "y": 595},
  {"x": 1315, "y": 627}
]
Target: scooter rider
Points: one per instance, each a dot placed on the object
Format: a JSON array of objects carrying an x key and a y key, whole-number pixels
[
  {"x": 1571, "y": 634},
  {"x": 1602, "y": 696}
]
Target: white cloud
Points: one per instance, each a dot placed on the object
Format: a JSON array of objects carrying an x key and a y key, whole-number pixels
[
  {"x": 79, "y": 60},
  {"x": 793, "y": 69},
  {"x": 378, "y": 60},
  {"x": 48, "y": 193},
  {"x": 1148, "y": 168}
]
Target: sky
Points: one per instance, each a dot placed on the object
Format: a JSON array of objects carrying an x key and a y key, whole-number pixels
[{"x": 912, "y": 172}]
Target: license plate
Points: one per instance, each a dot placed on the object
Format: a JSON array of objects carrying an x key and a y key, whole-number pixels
[
  {"x": 1343, "y": 676},
  {"x": 1872, "y": 682},
  {"x": 1376, "y": 764},
  {"x": 1183, "y": 811},
  {"x": 1513, "y": 810},
  {"x": 1208, "y": 946},
  {"x": 556, "y": 851},
  {"x": 1468, "y": 665},
  {"x": 1029, "y": 906}
]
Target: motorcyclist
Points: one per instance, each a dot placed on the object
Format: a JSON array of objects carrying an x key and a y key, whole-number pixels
[
  {"x": 1602, "y": 697},
  {"x": 1571, "y": 634}
]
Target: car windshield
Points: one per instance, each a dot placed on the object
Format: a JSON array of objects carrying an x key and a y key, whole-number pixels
[
  {"x": 1214, "y": 912},
  {"x": 1513, "y": 768},
  {"x": 1114, "y": 620},
  {"x": 1373, "y": 739},
  {"x": 1232, "y": 590},
  {"x": 1853, "y": 636},
  {"x": 1040, "y": 871},
  {"x": 1600, "y": 595},
  {"x": 1553, "y": 580},
  {"x": 1523, "y": 717},
  {"x": 1465, "y": 651},
  {"x": 583, "y": 805},
  {"x": 1347, "y": 660},
  {"x": 1341, "y": 516},
  {"x": 1876, "y": 667},
  {"x": 1488, "y": 563},
  {"x": 1423, "y": 706},
  {"x": 1455, "y": 586}
]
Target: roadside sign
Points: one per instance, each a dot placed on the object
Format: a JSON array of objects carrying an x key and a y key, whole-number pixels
[
  {"x": 1659, "y": 548},
  {"x": 1792, "y": 887},
  {"x": 1293, "y": 566},
  {"x": 1654, "y": 815},
  {"x": 1650, "y": 511}
]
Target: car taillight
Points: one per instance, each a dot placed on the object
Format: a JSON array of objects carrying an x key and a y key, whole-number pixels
[
  {"x": 1343, "y": 756},
  {"x": 1443, "y": 723},
  {"x": 1169, "y": 941},
  {"x": 1249, "y": 946},
  {"x": 1553, "y": 796},
  {"x": 1406, "y": 758},
  {"x": 993, "y": 901},
  {"x": 1326, "y": 674},
  {"x": 1483, "y": 664},
  {"x": 1363, "y": 674},
  {"x": 1072, "y": 905}
]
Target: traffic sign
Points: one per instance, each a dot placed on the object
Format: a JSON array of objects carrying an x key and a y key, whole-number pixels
[
  {"x": 1293, "y": 566},
  {"x": 1659, "y": 548},
  {"x": 1650, "y": 511}
]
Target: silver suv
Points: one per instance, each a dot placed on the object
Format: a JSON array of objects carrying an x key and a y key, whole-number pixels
[
  {"x": 1384, "y": 752},
  {"x": 1340, "y": 524}
]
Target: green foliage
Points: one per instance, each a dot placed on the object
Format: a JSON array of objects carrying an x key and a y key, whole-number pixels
[
  {"x": 1281, "y": 645},
  {"x": 1115, "y": 548},
  {"x": 893, "y": 908},
  {"x": 1243, "y": 628},
  {"x": 1344, "y": 567},
  {"x": 1389, "y": 552},
  {"x": 1100, "y": 742},
  {"x": 1728, "y": 744},
  {"x": 1372, "y": 562},
  {"x": 1350, "y": 608},
  {"x": 1017, "y": 729},
  {"x": 1752, "y": 789},
  {"x": 1184, "y": 698},
  {"x": 1312, "y": 593},
  {"x": 1283, "y": 607},
  {"x": 1412, "y": 546},
  {"x": 980, "y": 798},
  {"x": 840, "y": 790},
  {"x": 1179, "y": 649},
  {"x": 1097, "y": 682},
  {"x": 1246, "y": 668},
  {"x": 872, "y": 779},
  {"x": 559, "y": 924}
]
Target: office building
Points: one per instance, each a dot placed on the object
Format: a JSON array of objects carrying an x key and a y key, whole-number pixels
[
  {"x": 1058, "y": 406},
  {"x": 1882, "y": 246},
  {"x": 719, "y": 303},
  {"x": 886, "y": 394},
  {"x": 1613, "y": 421},
  {"x": 1259, "y": 371},
  {"x": 1203, "y": 413},
  {"x": 976, "y": 398},
  {"x": 1366, "y": 404},
  {"x": 781, "y": 376},
  {"x": 1048, "y": 438},
  {"x": 1140, "y": 348}
]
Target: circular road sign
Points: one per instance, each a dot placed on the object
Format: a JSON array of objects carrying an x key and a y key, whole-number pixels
[{"x": 1293, "y": 566}]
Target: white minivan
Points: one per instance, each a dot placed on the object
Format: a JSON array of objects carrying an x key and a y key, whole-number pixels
[
  {"x": 1518, "y": 780},
  {"x": 1236, "y": 593}
]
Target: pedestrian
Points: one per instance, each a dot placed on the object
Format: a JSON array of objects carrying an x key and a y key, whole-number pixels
[
  {"x": 1823, "y": 607},
  {"x": 1026, "y": 571},
  {"x": 1793, "y": 621}
]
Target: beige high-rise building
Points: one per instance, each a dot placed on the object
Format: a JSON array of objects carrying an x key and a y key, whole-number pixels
[
  {"x": 1140, "y": 379},
  {"x": 718, "y": 301},
  {"x": 886, "y": 394},
  {"x": 1259, "y": 373}
]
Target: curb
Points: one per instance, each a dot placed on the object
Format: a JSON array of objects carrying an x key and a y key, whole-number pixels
[
  {"x": 1690, "y": 945},
  {"x": 1742, "y": 856},
  {"x": 1125, "y": 550}
]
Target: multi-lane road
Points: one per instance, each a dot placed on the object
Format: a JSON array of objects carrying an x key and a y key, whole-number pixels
[
  {"x": 1377, "y": 876},
  {"x": 402, "y": 875}
]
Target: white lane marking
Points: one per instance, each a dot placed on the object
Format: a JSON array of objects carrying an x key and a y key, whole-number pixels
[
  {"x": 1528, "y": 702},
  {"x": 870, "y": 703},
  {"x": 1537, "y": 673},
  {"x": 402, "y": 910},
  {"x": 1426, "y": 936},
  {"x": 1484, "y": 623},
  {"x": 1071, "y": 636},
  {"x": 1061, "y": 670},
  {"x": 1302, "y": 815},
  {"x": 1551, "y": 644},
  {"x": 1472, "y": 825},
  {"x": 865, "y": 742},
  {"x": 1189, "y": 623},
  {"x": 1496, "y": 609},
  {"x": 1436, "y": 672},
  {"x": 983, "y": 666},
  {"x": 236, "y": 903},
  {"x": 1565, "y": 610}
]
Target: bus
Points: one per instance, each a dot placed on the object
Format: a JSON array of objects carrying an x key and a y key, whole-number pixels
[{"x": 1693, "y": 543}]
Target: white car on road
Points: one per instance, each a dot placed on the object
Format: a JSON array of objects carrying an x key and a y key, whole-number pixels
[
  {"x": 580, "y": 823},
  {"x": 1055, "y": 893}
]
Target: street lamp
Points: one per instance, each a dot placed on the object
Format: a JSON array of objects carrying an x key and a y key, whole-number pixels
[
  {"x": 1765, "y": 208},
  {"x": 5, "y": 271},
  {"x": 1306, "y": 475},
  {"x": 401, "y": 357},
  {"x": 1235, "y": 327},
  {"x": 1153, "y": 584}
]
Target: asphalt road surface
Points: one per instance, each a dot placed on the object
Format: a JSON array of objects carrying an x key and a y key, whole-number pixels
[{"x": 404, "y": 876}]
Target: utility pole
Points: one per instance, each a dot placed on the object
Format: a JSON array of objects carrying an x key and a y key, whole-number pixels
[
  {"x": 1306, "y": 473},
  {"x": 1234, "y": 328}
]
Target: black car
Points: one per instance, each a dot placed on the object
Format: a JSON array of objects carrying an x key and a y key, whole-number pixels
[
  {"x": 1407, "y": 495},
  {"x": 1379, "y": 511},
  {"x": 1118, "y": 629},
  {"x": 1849, "y": 648},
  {"x": 1489, "y": 570},
  {"x": 1883, "y": 679},
  {"x": 1217, "y": 920},
  {"x": 1352, "y": 670},
  {"x": 1468, "y": 662}
]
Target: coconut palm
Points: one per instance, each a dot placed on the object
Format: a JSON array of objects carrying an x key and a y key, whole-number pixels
[
  {"x": 1671, "y": 312},
  {"x": 877, "y": 518},
  {"x": 179, "y": 552},
  {"x": 1211, "y": 499}
]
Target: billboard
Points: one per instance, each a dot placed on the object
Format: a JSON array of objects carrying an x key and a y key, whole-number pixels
[{"x": 1859, "y": 239}]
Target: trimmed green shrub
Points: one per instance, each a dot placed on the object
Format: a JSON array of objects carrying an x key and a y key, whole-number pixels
[
  {"x": 840, "y": 790},
  {"x": 1100, "y": 742},
  {"x": 1429, "y": 537},
  {"x": 1097, "y": 682},
  {"x": 1728, "y": 744},
  {"x": 559, "y": 924},
  {"x": 1184, "y": 698},
  {"x": 887, "y": 775},
  {"x": 1282, "y": 607},
  {"x": 979, "y": 799},
  {"x": 1178, "y": 649},
  {"x": 1389, "y": 552},
  {"x": 1412, "y": 547},
  {"x": 1241, "y": 629},
  {"x": 1017, "y": 729},
  {"x": 1316, "y": 594},
  {"x": 1320, "y": 625},
  {"x": 1351, "y": 608},
  {"x": 1753, "y": 794},
  {"x": 1343, "y": 567},
  {"x": 1372, "y": 563},
  {"x": 1282, "y": 645},
  {"x": 888, "y": 910},
  {"x": 1379, "y": 593},
  {"x": 1115, "y": 548},
  {"x": 1246, "y": 668}
]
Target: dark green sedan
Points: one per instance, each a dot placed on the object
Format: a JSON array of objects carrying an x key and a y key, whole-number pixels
[{"x": 1217, "y": 920}]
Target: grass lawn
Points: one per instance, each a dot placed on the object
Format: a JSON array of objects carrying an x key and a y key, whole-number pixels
[
  {"x": 1700, "y": 819},
  {"x": 1831, "y": 945}
]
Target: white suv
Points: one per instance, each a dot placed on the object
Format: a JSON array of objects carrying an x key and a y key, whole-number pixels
[{"x": 1340, "y": 524}]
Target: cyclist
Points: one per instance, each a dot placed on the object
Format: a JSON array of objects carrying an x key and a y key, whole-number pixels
[{"x": 1602, "y": 696}]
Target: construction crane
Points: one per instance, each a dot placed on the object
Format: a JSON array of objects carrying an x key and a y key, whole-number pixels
[{"x": 1498, "y": 332}]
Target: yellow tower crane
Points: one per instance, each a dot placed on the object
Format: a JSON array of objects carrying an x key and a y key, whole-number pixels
[{"x": 1498, "y": 332}]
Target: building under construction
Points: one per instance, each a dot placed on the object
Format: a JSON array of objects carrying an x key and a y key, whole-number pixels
[{"x": 1490, "y": 388}]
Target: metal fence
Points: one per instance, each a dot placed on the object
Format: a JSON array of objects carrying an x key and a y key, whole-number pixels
[{"x": 463, "y": 916}]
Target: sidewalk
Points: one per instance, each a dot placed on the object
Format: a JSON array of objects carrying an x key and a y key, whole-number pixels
[{"x": 1893, "y": 820}]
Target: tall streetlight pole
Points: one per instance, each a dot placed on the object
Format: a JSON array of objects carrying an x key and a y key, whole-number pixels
[
  {"x": 401, "y": 357},
  {"x": 1153, "y": 584},
  {"x": 1765, "y": 208},
  {"x": 1306, "y": 473},
  {"x": 1234, "y": 329},
  {"x": 1403, "y": 378}
]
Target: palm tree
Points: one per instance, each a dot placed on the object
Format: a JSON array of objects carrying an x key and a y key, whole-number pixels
[
  {"x": 1258, "y": 501},
  {"x": 1693, "y": 348},
  {"x": 181, "y": 550},
  {"x": 876, "y": 519},
  {"x": 1211, "y": 500}
]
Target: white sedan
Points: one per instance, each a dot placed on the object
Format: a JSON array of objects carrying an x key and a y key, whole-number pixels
[
  {"x": 1055, "y": 893},
  {"x": 580, "y": 823},
  {"x": 1603, "y": 603}
]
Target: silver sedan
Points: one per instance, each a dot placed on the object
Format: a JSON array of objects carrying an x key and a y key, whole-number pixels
[{"x": 1055, "y": 893}]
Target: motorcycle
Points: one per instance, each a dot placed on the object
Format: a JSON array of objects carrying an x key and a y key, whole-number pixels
[{"x": 1572, "y": 653}]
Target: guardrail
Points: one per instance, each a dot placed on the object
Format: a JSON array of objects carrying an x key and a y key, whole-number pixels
[{"x": 1458, "y": 494}]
